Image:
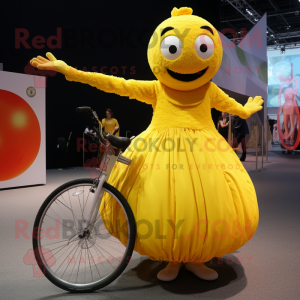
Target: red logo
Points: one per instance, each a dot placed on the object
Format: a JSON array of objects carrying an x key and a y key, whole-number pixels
[{"x": 48, "y": 258}]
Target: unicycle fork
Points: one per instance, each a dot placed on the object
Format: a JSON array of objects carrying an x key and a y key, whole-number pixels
[{"x": 106, "y": 167}]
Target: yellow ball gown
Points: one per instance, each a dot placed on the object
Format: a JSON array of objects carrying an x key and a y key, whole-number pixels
[{"x": 191, "y": 196}]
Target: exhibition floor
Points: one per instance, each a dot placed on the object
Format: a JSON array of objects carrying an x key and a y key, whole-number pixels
[{"x": 269, "y": 267}]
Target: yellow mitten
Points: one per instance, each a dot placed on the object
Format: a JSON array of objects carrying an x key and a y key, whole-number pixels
[
  {"x": 49, "y": 64},
  {"x": 254, "y": 105}
]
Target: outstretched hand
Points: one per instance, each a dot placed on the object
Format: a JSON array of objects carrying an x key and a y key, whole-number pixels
[
  {"x": 254, "y": 105},
  {"x": 49, "y": 64}
]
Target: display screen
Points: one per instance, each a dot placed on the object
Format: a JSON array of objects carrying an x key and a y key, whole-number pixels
[
  {"x": 283, "y": 94},
  {"x": 281, "y": 69}
]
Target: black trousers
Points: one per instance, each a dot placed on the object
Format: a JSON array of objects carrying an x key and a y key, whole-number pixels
[{"x": 241, "y": 139}]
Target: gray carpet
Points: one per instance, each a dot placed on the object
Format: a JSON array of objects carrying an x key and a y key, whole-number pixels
[{"x": 270, "y": 267}]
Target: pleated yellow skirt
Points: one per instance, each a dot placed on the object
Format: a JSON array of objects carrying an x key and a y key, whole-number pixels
[{"x": 191, "y": 196}]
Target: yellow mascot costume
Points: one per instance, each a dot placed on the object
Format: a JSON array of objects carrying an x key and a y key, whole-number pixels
[{"x": 190, "y": 195}]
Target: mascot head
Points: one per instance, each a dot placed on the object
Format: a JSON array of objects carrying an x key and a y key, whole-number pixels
[{"x": 185, "y": 51}]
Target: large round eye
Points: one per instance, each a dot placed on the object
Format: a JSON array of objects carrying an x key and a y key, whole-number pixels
[
  {"x": 204, "y": 46},
  {"x": 171, "y": 47}
]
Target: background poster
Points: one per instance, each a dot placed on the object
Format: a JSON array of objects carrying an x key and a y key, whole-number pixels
[
  {"x": 281, "y": 65},
  {"x": 22, "y": 130}
]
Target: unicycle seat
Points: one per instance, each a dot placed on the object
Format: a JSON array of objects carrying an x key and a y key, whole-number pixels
[{"x": 118, "y": 141}]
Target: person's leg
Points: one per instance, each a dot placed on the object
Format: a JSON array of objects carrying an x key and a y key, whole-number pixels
[
  {"x": 238, "y": 140},
  {"x": 292, "y": 130},
  {"x": 170, "y": 272},
  {"x": 286, "y": 125},
  {"x": 242, "y": 140},
  {"x": 234, "y": 142},
  {"x": 225, "y": 136},
  {"x": 201, "y": 271}
]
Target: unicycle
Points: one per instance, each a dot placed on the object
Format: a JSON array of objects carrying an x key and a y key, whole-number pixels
[{"x": 78, "y": 247}]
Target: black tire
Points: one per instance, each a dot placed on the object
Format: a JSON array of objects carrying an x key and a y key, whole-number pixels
[{"x": 129, "y": 249}]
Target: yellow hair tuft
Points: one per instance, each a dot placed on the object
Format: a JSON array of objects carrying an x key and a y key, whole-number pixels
[{"x": 181, "y": 11}]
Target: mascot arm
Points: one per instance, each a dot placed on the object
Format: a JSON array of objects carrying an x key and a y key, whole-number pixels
[
  {"x": 144, "y": 91},
  {"x": 222, "y": 102}
]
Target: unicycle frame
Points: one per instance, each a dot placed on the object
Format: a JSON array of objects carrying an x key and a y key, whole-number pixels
[
  {"x": 107, "y": 163},
  {"x": 106, "y": 166}
]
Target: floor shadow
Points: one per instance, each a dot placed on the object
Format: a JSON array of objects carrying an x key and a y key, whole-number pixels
[
  {"x": 231, "y": 273},
  {"x": 141, "y": 276}
]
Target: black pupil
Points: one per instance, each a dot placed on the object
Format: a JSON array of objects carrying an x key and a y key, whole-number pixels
[
  {"x": 203, "y": 48},
  {"x": 173, "y": 49}
]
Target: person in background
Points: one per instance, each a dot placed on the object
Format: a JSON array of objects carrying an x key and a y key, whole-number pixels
[
  {"x": 240, "y": 129},
  {"x": 110, "y": 124},
  {"x": 223, "y": 122}
]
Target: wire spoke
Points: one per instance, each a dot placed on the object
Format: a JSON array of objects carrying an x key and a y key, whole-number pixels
[
  {"x": 95, "y": 246},
  {"x": 73, "y": 266},
  {"x": 72, "y": 210},
  {"x": 66, "y": 207},
  {"x": 66, "y": 257}
]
